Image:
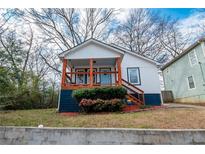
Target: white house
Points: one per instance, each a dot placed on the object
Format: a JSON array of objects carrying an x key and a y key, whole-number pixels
[{"x": 94, "y": 63}]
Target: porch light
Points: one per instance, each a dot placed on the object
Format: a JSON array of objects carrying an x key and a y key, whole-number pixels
[{"x": 94, "y": 61}]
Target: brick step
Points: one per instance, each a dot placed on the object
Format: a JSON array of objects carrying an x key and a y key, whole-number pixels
[{"x": 130, "y": 108}]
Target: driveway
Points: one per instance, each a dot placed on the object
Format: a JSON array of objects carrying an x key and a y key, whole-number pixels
[{"x": 177, "y": 105}]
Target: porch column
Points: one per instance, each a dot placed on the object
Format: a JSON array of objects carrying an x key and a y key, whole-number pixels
[
  {"x": 115, "y": 75},
  {"x": 91, "y": 72},
  {"x": 71, "y": 71},
  {"x": 63, "y": 84},
  {"x": 119, "y": 71},
  {"x": 71, "y": 75}
]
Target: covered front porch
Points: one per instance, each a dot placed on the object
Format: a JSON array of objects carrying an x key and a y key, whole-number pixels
[{"x": 91, "y": 72}]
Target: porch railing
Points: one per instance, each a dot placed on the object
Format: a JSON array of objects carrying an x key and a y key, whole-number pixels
[{"x": 69, "y": 84}]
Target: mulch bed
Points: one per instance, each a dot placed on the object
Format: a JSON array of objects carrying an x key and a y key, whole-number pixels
[{"x": 69, "y": 113}]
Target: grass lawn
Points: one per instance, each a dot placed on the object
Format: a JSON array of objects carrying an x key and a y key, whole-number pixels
[{"x": 163, "y": 118}]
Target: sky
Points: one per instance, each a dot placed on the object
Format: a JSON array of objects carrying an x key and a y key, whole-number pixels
[
  {"x": 191, "y": 21},
  {"x": 178, "y": 13}
]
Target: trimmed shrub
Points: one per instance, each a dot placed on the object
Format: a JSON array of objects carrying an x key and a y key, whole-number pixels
[
  {"x": 99, "y": 105},
  {"x": 104, "y": 93}
]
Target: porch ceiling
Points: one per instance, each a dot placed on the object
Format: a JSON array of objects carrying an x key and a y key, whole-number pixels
[{"x": 96, "y": 62}]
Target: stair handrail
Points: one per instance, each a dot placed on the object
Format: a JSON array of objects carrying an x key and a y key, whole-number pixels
[
  {"x": 133, "y": 86},
  {"x": 142, "y": 92},
  {"x": 129, "y": 88},
  {"x": 136, "y": 99}
]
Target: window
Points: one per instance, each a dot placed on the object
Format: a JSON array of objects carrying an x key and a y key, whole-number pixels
[
  {"x": 193, "y": 58},
  {"x": 191, "y": 82},
  {"x": 134, "y": 75},
  {"x": 80, "y": 78}
]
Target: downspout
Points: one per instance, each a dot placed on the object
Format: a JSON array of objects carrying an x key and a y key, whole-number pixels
[
  {"x": 59, "y": 95},
  {"x": 202, "y": 72}
]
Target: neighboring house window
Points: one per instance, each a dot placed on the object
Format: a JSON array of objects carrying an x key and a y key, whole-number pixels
[
  {"x": 193, "y": 58},
  {"x": 191, "y": 82},
  {"x": 133, "y": 75}
]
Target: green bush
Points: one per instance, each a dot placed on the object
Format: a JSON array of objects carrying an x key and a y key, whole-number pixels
[
  {"x": 99, "y": 105},
  {"x": 28, "y": 100},
  {"x": 104, "y": 93}
]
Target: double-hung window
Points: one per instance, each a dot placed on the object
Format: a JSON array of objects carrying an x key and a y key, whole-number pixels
[
  {"x": 191, "y": 83},
  {"x": 133, "y": 75},
  {"x": 193, "y": 58}
]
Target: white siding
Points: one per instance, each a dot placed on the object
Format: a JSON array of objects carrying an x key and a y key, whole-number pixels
[
  {"x": 92, "y": 51},
  {"x": 148, "y": 73}
]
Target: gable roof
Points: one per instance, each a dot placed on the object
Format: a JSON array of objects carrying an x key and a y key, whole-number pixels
[
  {"x": 183, "y": 53},
  {"x": 112, "y": 47}
]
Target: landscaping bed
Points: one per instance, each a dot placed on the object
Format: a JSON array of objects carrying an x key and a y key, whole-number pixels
[{"x": 101, "y": 99}]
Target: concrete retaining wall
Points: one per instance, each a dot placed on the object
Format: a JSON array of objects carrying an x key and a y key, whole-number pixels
[{"x": 22, "y": 135}]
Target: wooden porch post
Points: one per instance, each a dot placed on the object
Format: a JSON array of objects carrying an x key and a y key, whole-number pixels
[
  {"x": 71, "y": 71},
  {"x": 71, "y": 75},
  {"x": 119, "y": 71},
  {"x": 63, "y": 84},
  {"x": 91, "y": 72},
  {"x": 115, "y": 75}
]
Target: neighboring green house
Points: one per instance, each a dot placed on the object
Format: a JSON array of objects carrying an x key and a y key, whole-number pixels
[{"x": 185, "y": 75}]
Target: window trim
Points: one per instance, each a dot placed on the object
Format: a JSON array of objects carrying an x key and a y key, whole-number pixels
[
  {"x": 194, "y": 51},
  {"x": 193, "y": 81},
  {"x": 128, "y": 79}
]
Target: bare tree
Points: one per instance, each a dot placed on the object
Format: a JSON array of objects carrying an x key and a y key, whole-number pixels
[
  {"x": 37, "y": 65},
  {"x": 69, "y": 27},
  {"x": 64, "y": 28},
  {"x": 172, "y": 40},
  {"x": 150, "y": 35},
  {"x": 4, "y": 18},
  {"x": 140, "y": 33}
]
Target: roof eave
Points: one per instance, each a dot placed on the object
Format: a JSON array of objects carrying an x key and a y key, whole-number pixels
[{"x": 183, "y": 53}]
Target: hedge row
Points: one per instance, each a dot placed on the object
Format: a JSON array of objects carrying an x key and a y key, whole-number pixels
[
  {"x": 99, "y": 105},
  {"x": 104, "y": 93}
]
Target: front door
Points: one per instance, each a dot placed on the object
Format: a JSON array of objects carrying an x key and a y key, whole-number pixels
[{"x": 105, "y": 79}]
